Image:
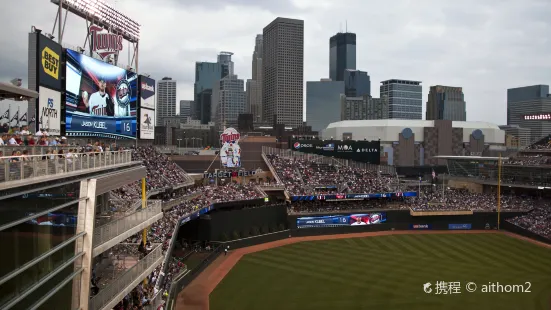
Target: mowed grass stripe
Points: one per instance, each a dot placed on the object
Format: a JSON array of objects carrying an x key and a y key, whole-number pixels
[
  {"x": 524, "y": 251},
  {"x": 497, "y": 254},
  {"x": 330, "y": 248},
  {"x": 377, "y": 264},
  {"x": 332, "y": 267},
  {"x": 337, "y": 274}
]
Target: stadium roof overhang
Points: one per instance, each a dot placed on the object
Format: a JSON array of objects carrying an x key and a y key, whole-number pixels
[
  {"x": 10, "y": 91},
  {"x": 468, "y": 158}
]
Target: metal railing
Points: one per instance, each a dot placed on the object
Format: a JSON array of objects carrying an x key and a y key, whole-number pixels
[
  {"x": 113, "y": 229},
  {"x": 126, "y": 281},
  {"x": 35, "y": 149},
  {"x": 24, "y": 167}
]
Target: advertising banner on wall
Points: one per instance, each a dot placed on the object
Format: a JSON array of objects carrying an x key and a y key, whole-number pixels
[
  {"x": 341, "y": 220},
  {"x": 147, "y": 124},
  {"x": 362, "y": 151},
  {"x": 460, "y": 226},
  {"x": 230, "y": 152},
  {"x": 147, "y": 92},
  {"x": 49, "y": 58},
  {"x": 101, "y": 99},
  {"x": 13, "y": 114},
  {"x": 49, "y": 110}
]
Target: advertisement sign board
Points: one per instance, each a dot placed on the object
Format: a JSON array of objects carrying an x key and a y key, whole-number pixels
[
  {"x": 147, "y": 124},
  {"x": 101, "y": 99},
  {"x": 420, "y": 226},
  {"x": 230, "y": 152},
  {"x": 147, "y": 92},
  {"x": 341, "y": 220},
  {"x": 459, "y": 226},
  {"x": 362, "y": 151},
  {"x": 49, "y": 58},
  {"x": 49, "y": 110}
]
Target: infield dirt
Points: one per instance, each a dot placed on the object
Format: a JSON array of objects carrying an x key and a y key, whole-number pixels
[{"x": 196, "y": 295}]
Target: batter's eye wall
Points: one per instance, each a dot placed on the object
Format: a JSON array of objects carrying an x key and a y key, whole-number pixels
[{"x": 236, "y": 224}]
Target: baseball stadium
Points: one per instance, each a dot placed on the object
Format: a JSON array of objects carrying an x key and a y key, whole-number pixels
[{"x": 96, "y": 215}]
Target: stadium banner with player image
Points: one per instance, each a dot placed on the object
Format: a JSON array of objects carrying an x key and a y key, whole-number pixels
[
  {"x": 147, "y": 92},
  {"x": 342, "y": 220},
  {"x": 230, "y": 152},
  {"x": 101, "y": 99},
  {"x": 49, "y": 110},
  {"x": 147, "y": 124}
]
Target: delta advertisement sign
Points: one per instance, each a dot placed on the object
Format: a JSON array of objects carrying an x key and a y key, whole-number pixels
[{"x": 362, "y": 151}]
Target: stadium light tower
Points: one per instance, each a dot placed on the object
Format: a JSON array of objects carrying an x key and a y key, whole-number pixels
[{"x": 101, "y": 14}]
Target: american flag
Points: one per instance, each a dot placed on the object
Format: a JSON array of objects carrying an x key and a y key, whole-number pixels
[{"x": 433, "y": 174}]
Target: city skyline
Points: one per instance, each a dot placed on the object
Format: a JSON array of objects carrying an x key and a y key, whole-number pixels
[{"x": 483, "y": 48}]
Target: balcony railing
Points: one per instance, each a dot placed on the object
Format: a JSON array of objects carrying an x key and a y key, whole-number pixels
[
  {"x": 22, "y": 168},
  {"x": 118, "y": 227},
  {"x": 110, "y": 295}
]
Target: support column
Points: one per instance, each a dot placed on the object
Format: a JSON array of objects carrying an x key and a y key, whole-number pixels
[{"x": 85, "y": 223}]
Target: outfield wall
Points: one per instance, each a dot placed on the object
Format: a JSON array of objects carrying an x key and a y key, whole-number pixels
[
  {"x": 523, "y": 232},
  {"x": 402, "y": 220}
]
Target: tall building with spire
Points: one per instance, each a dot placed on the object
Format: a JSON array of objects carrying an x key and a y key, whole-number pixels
[
  {"x": 254, "y": 85},
  {"x": 342, "y": 54}
]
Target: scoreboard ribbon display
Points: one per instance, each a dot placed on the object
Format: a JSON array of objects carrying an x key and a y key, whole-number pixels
[
  {"x": 341, "y": 220},
  {"x": 353, "y": 196}
]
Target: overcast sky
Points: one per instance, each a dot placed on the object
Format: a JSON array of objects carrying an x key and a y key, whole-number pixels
[{"x": 483, "y": 46}]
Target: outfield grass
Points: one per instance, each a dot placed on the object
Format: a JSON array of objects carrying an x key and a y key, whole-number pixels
[{"x": 388, "y": 272}]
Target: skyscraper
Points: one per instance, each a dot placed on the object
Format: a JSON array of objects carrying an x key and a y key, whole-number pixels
[
  {"x": 254, "y": 85},
  {"x": 206, "y": 75},
  {"x": 356, "y": 83},
  {"x": 342, "y": 54},
  {"x": 166, "y": 99},
  {"x": 529, "y": 107},
  {"x": 446, "y": 103},
  {"x": 405, "y": 98},
  {"x": 283, "y": 72},
  {"x": 363, "y": 108},
  {"x": 323, "y": 103},
  {"x": 185, "y": 108},
  {"x": 228, "y": 101}
]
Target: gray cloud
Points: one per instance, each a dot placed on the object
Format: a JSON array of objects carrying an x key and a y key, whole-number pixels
[{"x": 485, "y": 47}]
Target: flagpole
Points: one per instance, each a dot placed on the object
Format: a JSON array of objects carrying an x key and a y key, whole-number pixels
[
  {"x": 9, "y": 118},
  {"x": 498, "y": 191}
]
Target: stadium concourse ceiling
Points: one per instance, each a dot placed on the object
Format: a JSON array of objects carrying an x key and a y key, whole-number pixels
[{"x": 10, "y": 91}]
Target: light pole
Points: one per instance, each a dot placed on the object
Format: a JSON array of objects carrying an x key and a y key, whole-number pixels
[
  {"x": 179, "y": 145},
  {"x": 201, "y": 143},
  {"x": 186, "y": 141}
]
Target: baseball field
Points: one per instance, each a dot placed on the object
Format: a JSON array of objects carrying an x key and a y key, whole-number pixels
[{"x": 402, "y": 271}]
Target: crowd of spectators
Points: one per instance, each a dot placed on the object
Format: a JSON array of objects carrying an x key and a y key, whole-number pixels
[
  {"x": 302, "y": 177},
  {"x": 537, "y": 221},
  {"x": 345, "y": 206},
  {"x": 162, "y": 231},
  {"x": 535, "y": 160},
  {"x": 463, "y": 200}
]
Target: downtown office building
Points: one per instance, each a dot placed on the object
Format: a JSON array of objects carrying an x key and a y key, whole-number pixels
[
  {"x": 283, "y": 72},
  {"x": 405, "y": 98}
]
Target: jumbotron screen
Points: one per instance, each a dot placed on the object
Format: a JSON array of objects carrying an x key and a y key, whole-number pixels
[
  {"x": 101, "y": 98},
  {"x": 341, "y": 220}
]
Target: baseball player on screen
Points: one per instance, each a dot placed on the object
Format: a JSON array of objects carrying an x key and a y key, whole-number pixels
[
  {"x": 359, "y": 221},
  {"x": 99, "y": 102}
]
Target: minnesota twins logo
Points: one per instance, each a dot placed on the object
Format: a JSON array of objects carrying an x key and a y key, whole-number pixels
[{"x": 124, "y": 93}]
